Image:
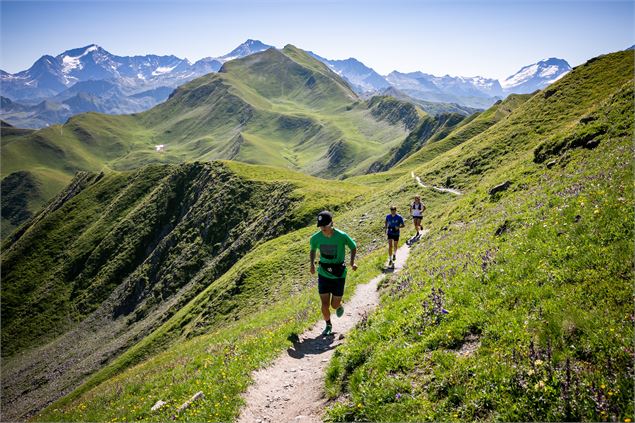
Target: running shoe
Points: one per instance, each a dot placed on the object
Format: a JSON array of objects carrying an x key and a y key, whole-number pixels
[
  {"x": 340, "y": 311},
  {"x": 327, "y": 330}
]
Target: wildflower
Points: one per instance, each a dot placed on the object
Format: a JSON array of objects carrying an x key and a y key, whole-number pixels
[
  {"x": 539, "y": 362},
  {"x": 397, "y": 395},
  {"x": 359, "y": 405},
  {"x": 627, "y": 420}
]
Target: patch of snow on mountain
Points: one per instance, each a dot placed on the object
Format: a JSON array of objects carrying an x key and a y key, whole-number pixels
[
  {"x": 72, "y": 62},
  {"x": 69, "y": 63},
  {"x": 479, "y": 81},
  {"x": 162, "y": 69},
  {"x": 523, "y": 75},
  {"x": 548, "y": 71}
]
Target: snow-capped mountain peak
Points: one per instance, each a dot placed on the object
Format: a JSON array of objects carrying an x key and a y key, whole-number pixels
[
  {"x": 245, "y": 49},
  {"x": 536, "y": 76}
]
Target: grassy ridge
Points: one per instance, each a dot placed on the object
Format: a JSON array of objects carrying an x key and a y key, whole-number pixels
[
  {"x": 270, "y": 273},
  {"x": 537, "y": 279},
  {"x": 531, "y": 276},
  {"x": 163, "y": 234},
  {"x": 278, "y": 107},
  {"x": 467, "y": 129}
]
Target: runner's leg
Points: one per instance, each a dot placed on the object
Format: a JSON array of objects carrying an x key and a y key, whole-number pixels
[
  {"x": 326, "y": 312},
  {"x": 336, "y": 301}
]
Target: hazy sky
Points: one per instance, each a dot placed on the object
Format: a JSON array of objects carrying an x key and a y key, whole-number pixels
[{"x": 487, "y": 38}]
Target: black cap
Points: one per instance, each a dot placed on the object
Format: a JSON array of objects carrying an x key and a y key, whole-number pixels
[{"x": 324, "y": 218}]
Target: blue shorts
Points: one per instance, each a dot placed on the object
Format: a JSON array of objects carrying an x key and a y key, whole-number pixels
[{"x": 331, "y": 286}]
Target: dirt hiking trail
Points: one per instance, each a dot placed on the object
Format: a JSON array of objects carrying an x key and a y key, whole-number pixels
[{"x": 291, "y": 389}]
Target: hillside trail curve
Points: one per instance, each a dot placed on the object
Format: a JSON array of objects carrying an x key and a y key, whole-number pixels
[
  {"x": 440, "y": 189},
  {"x": 291, "y": 388}
]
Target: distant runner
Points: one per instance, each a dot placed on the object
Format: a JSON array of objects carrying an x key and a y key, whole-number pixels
[
  {"x": 394, "y": 222},
  {"x": 332, "y": 268},
  {"x": 416, "y": 211}
]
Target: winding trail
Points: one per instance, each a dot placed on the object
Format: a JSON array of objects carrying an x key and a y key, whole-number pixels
[
  {"x": 291, "y": 388},
  {"x": 440, "y": 189}
]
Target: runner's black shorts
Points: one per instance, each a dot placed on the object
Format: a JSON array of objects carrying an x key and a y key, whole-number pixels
[
  {"x": 331, "y": 286},
  {"x": 393, "y": 236},
  {"x": 417, "y": 217}
]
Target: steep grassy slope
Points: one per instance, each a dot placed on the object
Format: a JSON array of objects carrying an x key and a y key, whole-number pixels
[
  {"x": 536, "y": 280},
  {"x": 428, "y": 130},
  {"x": 119, "y": 254},
  {"x": 221, "y": 359},
  {"x": 277, "y": 107},
  {"x": 467, "y": 129}
]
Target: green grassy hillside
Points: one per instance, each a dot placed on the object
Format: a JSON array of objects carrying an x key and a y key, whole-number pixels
[
  {"x": 277, "y": 107},
  {"x": 431, "y": 147},
  {"x": 267, "y": 314},
  {"x": 428, "y": 130},
  {"x": 536, "y": 280},
  {"x": 117, "y": 255},
  {"x": 516, "y": 306}
]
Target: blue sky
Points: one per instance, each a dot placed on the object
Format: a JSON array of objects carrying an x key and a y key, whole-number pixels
[{"x": 488, "y": 38}]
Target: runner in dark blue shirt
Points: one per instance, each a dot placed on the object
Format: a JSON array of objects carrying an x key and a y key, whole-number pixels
[{"x": 394, "y": 222}]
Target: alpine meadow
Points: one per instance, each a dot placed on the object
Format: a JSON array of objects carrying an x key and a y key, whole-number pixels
[{"x": 153, "y": 262}]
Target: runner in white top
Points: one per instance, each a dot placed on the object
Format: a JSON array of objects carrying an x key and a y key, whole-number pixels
[{"x": 416, "y": 210}]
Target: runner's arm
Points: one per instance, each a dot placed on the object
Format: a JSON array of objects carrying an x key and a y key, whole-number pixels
[
  {"x": 312, "y": 255},
  {"x": 353, "y": 252}
]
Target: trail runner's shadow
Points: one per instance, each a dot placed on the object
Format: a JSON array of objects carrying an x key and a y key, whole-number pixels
[{"x": 314, "y": 346}]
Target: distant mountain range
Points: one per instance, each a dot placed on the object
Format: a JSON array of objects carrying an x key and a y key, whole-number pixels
[
  {"x": 92, "y": 79},
  {"x": 275, "y": 107},
  {"x": 476, "y": 92}
]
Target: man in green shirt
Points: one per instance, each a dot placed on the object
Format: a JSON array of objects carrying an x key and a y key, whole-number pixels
[{"x": 332, "y": 269}]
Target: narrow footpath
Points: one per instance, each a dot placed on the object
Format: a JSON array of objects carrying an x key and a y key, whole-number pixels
[
  {"x": 440, "y": 189},
  {"x": 291, "y": 389}
]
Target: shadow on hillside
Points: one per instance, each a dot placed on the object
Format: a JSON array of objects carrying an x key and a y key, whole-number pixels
[{"x": 314, "y": 346}]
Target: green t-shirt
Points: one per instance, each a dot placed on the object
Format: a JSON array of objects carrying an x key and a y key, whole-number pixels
[{"x": 331, "y": 249}]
